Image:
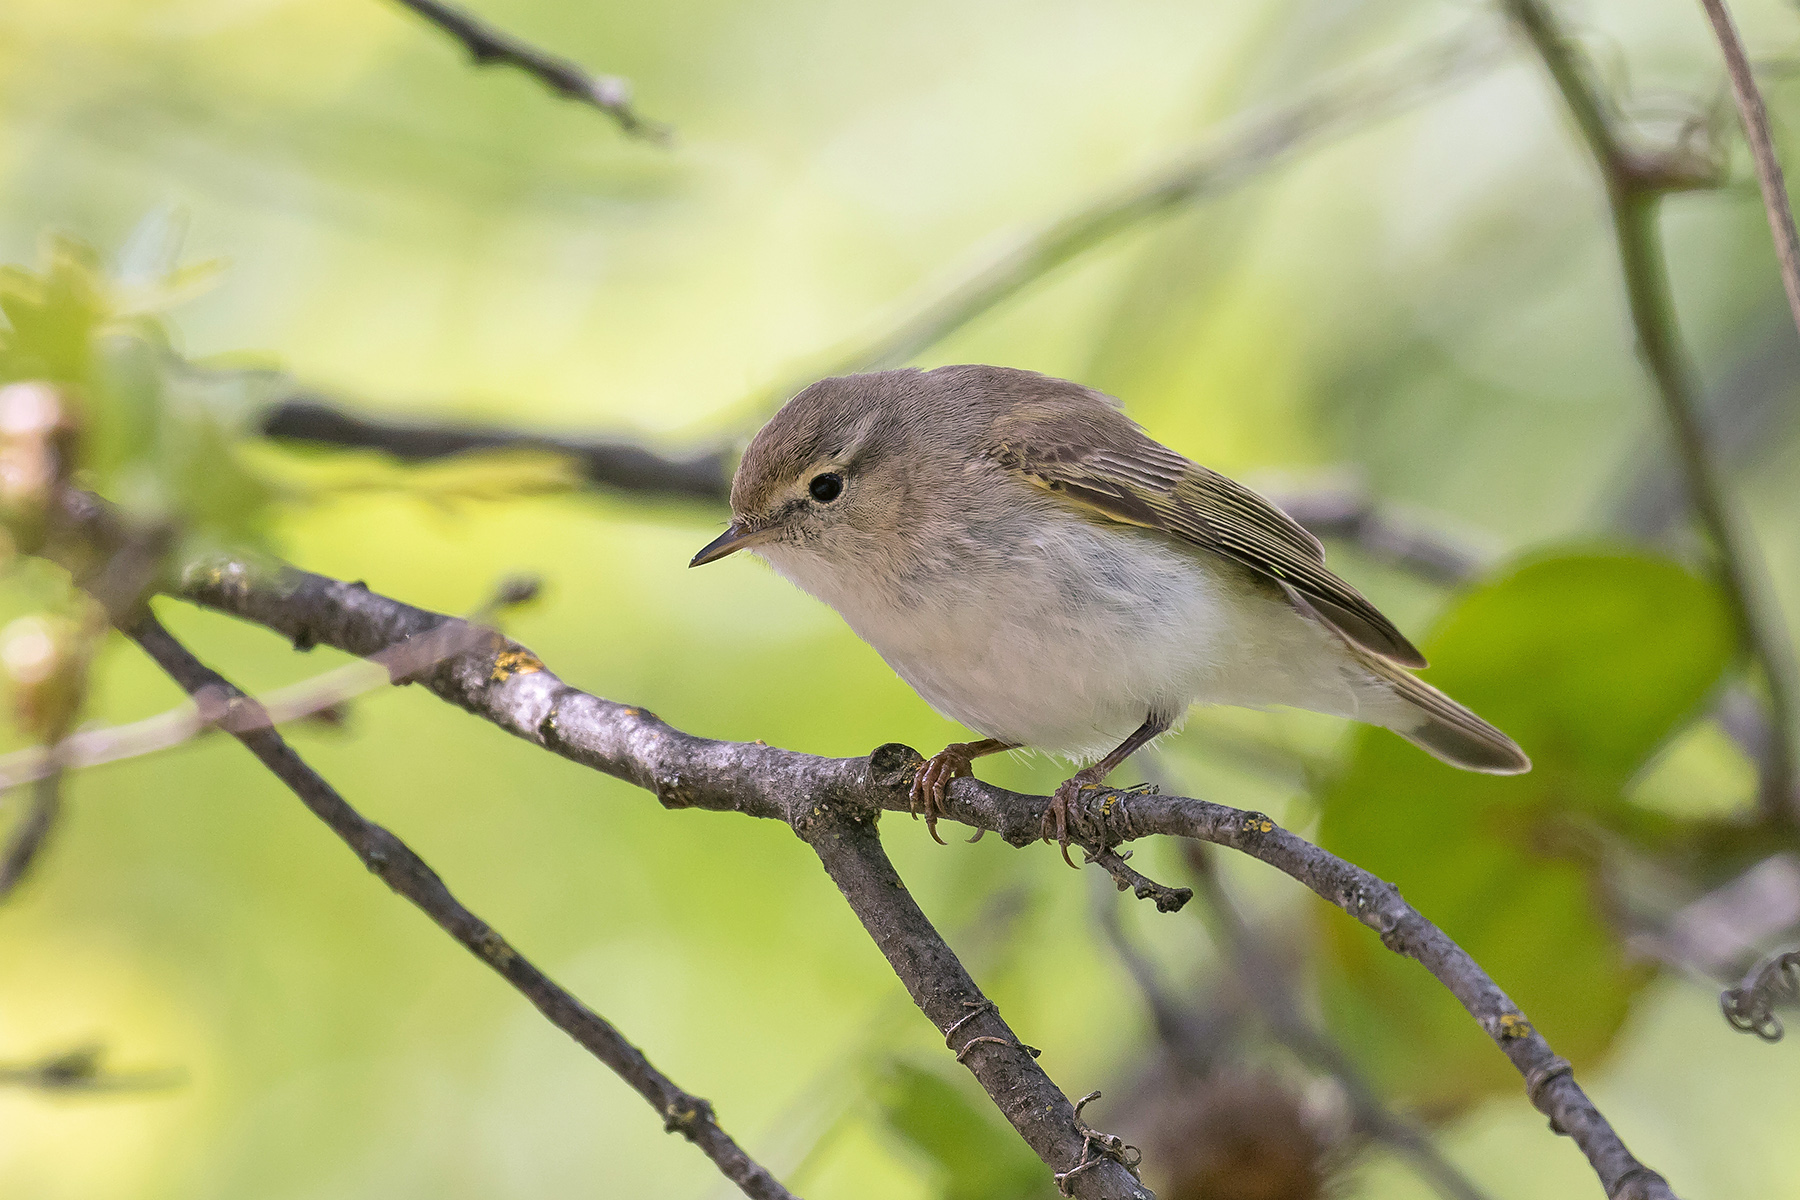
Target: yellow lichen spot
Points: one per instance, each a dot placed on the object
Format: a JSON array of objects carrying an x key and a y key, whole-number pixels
[
  {"x": 495, "y": 949},
  {"x": 1512, "y": 1025},
  {"x": 517, "y": 661}
]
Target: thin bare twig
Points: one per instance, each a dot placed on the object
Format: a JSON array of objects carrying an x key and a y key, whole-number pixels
[
  {"x": 1128, "y": 878},
  {"x": 1636, "y": 180},
  {"x": 1762, "y": 150},
  {"x": 212, "y": 710},
  {"x": 511, "y": 688},
  {"x": 406, "y": 873},
  {"x": 489, "y": 46}
]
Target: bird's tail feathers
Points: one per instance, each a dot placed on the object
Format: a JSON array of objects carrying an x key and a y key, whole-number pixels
[{"x": 1443, "y": 728}]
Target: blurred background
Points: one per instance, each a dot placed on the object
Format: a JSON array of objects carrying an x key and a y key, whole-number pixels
[{"x": 1415, "y": 307}]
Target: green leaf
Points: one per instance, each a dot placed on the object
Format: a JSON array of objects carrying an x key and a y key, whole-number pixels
[
  {"x": 53, "y": 316},
  {"x": 1590, "y": 661},
  {"x": 977, "y": 1156},
  {"x": 158, "y": 435}
]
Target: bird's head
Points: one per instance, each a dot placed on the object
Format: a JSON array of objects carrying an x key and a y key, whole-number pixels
[{"x": 833, "y": 472}]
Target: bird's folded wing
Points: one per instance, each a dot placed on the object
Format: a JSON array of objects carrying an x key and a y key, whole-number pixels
[{"x": 1101, "y": 461}]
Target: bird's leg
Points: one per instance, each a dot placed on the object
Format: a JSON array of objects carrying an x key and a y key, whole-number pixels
[
  {"x": 935, "y": 773},
  {"x": 1056, "y": 817}
]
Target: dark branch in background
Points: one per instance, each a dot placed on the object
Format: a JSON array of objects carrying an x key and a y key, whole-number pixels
[
  {"x": 490, "y": 47},
  {"x": 509, "y": 686},
  {"x": 1352, "y": 515},
  {"x": 604, "y": 462},
  {"x": 406, "y": 873},
  {"x": 81, "y": 1070},
  {"x": 1762, "y": 150},
  {"x": 1636, "y": 180}
]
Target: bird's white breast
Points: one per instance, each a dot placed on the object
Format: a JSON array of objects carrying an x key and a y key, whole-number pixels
[{"x": 1053, "y": 631}]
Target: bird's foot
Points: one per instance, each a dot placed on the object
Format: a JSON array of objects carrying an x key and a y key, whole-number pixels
[
  {"x": 1062, "y": 801},
  {"x": 930, "y": 780}
]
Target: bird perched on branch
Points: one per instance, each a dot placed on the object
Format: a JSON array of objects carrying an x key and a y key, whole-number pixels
[{"x": 1042, "y": 571}]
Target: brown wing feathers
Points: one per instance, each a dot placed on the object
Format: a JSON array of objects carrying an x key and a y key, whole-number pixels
[{"x": 1096, "y": 457}]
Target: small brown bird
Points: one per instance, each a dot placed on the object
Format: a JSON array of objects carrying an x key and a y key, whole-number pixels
[{"x": 1040, "y": 570}]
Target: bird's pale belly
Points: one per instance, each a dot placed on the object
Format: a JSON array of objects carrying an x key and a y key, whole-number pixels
[{"x": 1074, "y": 637}]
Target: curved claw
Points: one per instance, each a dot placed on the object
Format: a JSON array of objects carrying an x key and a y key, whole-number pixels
[
  {"x": 930, "y": 780},
  {"x": 1056, "y": 817}
]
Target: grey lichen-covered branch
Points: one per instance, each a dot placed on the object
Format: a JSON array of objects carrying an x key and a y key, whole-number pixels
[
  {"x": 489, "y": 46},
  {"x": 833, "y": 804},
  {"x": 1636, "y": 179},
  {"x": 405, "y": 872}
]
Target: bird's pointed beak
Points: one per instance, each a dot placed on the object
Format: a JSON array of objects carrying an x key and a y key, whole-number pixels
[{"x": 733, "y": 539}]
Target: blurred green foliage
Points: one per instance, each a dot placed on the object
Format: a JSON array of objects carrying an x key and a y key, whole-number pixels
[
  {"x": 1591, "y": 662},
  {"x": 1428, "y": 307},
  {"x": 976, "y": 1154},
  {"x": 158, "y": 434}
]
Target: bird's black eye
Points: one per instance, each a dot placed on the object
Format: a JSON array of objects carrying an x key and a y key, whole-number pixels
[{"x": 827, "y": 487}]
